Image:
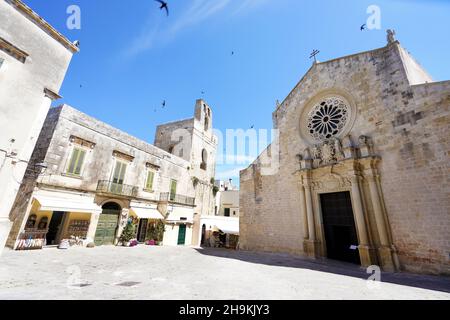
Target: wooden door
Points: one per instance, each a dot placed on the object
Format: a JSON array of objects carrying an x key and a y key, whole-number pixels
[
  {"x": 182, "y": 235},
  {"x": 339, "y": 225},
  {"x": 107, "y": 227}
]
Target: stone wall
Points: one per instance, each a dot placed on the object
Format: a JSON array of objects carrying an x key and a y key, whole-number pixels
[
  {"x": 35, "y": 60},
  {"x": 409, "y": 126}
]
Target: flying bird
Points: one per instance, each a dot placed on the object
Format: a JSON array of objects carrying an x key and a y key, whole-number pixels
[
  {"x": 163, "y": 6},
  {"x": 363, "y": 27},
  {"x": 252, "y": 126},
  {"x": 163, "y": 103},
  {"x": 232, "y": 53},
  {"x": 203, "y": 92}
]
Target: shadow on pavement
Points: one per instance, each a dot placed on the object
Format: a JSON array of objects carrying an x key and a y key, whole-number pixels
[{"x": 438, "y": 283}]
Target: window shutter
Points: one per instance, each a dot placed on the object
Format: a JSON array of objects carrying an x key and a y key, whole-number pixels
[
  {"x": 150, "y": 178},
  {"x": 81, "y": 156}
]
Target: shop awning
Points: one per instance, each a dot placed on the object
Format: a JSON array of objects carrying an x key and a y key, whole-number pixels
[
  {"x": 147, "y": 213},
  {"x": 228, "y": 226},
  {"x": 68, "y": 203}
]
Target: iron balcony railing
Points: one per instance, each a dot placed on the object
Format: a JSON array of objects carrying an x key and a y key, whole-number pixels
[
  {"x": 177, "y": 198},
  {"x": 105, "y": 186}
]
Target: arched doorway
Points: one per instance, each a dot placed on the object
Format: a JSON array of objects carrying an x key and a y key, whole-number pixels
[
  {"x": 203, "y": 235},
  {"x": 107, "y": 224}
]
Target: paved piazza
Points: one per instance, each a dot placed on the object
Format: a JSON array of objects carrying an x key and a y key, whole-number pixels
[{"x": 147, "y": 272}]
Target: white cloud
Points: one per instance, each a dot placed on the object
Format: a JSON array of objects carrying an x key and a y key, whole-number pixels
[
  {"x": 247, "y": 5},
  {"x": 197, "y": 12}
]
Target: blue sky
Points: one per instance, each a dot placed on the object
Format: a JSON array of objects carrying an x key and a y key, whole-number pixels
[{"x": 133, "y": 57}]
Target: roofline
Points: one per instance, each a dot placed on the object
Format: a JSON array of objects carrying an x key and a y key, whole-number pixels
[
  {"x": 175, "y": 121},
  {"x": 328, "y": 61},
  {"x": 61, "y": 108},
  {"x": 33, "y": 16}
]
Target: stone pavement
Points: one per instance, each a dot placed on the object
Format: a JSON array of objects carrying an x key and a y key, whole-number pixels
[{"x": 146, "y": 272}]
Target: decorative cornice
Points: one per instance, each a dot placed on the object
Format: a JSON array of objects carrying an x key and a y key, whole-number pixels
[
  {"x": 13, "y": 51},
  {"x": 82, "y": 142},
  {"x": 123, "y": 156},
  {"x": 51, "y": 94},
  {"x": 33, "y": 16},
  {"x": 152, "y": 166}
]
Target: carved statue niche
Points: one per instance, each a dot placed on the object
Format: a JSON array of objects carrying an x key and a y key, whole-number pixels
[
  {"x": 348, "y": 148},
  {"x": 339, "y": 153},
  {"x": 305, "y": 160},
  {"x": 316, "y": 154},
  {"x": 365, "y": 146},
  {"x": 328, "y": 152}
]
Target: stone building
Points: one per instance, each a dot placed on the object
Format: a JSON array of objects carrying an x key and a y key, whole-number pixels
[
  {"x": 227, "y": 199},
  {"x": 225, "y": 222},
  {"x": 361, "y": 167},
  {"x": 34, "y": 58},
  {"x": 99, "y": 179}
]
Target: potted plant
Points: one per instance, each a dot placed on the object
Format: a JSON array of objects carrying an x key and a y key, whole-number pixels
[
  {"x": 127, "y": 235},
  {"x": 155, "y": 233}
]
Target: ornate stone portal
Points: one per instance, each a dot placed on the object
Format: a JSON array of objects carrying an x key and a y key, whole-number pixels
[{"x": 335, "y": 165}]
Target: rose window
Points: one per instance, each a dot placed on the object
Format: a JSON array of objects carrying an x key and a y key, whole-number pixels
[{"x": 328, "y": 118}]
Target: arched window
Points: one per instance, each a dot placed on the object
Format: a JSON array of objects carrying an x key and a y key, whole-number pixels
[
  {"x": 206, "y": 123},
  {"x": 203, "y": 165}
]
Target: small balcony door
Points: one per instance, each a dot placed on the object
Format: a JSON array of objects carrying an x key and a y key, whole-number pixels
[{"x": 118, "y": 177}]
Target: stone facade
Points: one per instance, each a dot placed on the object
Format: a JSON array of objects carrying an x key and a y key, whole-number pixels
[
  {"x": 84, "y": 194},
  {"x": 34, "y": 59},
  {"x": 227, "y": 199},
  {"x": 388, "y": 147}
]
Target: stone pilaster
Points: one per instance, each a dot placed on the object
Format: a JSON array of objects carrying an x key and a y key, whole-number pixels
[
  {"x": 311, "y": 246},
  {"x": 365, "y": 251},
  {"x": 386, "y": 251}
]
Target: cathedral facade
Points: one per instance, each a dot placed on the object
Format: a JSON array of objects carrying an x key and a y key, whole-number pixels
[{"x": 360, "y": 169}]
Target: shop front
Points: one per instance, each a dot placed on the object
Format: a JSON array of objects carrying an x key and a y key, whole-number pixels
[
  {"x": 145, "y": 218},
  {"x": 218, "y": 231},
  {"x": 55, "y": 216}
]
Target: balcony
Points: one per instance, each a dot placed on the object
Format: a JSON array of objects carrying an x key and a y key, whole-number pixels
[
  {"x": 123, "y": 190},
  {"x": 176, "y": 198}
]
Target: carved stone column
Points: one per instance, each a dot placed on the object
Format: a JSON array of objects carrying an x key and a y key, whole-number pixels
[
  {"x": 93, "y": 225},
  {"x": 365, "y": 251},
  {"x": 303, "y": 211},
  {"x": 385, "y": 251},
  {"x": 311, "y": 245}
]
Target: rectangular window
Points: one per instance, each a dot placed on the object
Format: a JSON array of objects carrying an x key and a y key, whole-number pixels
[
  {"x": 119, "y": 172},
  {"x": 173, "y": 189},
  {"x": 76, "y": 161},
  {"x": 227, "y": 212},
  {"x": 1, "y": 62},
  {"x": 150, "y": 178}
]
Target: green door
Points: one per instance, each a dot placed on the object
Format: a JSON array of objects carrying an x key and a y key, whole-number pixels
[
  {"x": 107, "y": 227},
  {"x": 182, "y": 235}
]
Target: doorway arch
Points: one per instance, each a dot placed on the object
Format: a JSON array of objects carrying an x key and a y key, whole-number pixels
[
  {"x": 108, "y": 224},
  {"x": 203, "y": 235}
]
